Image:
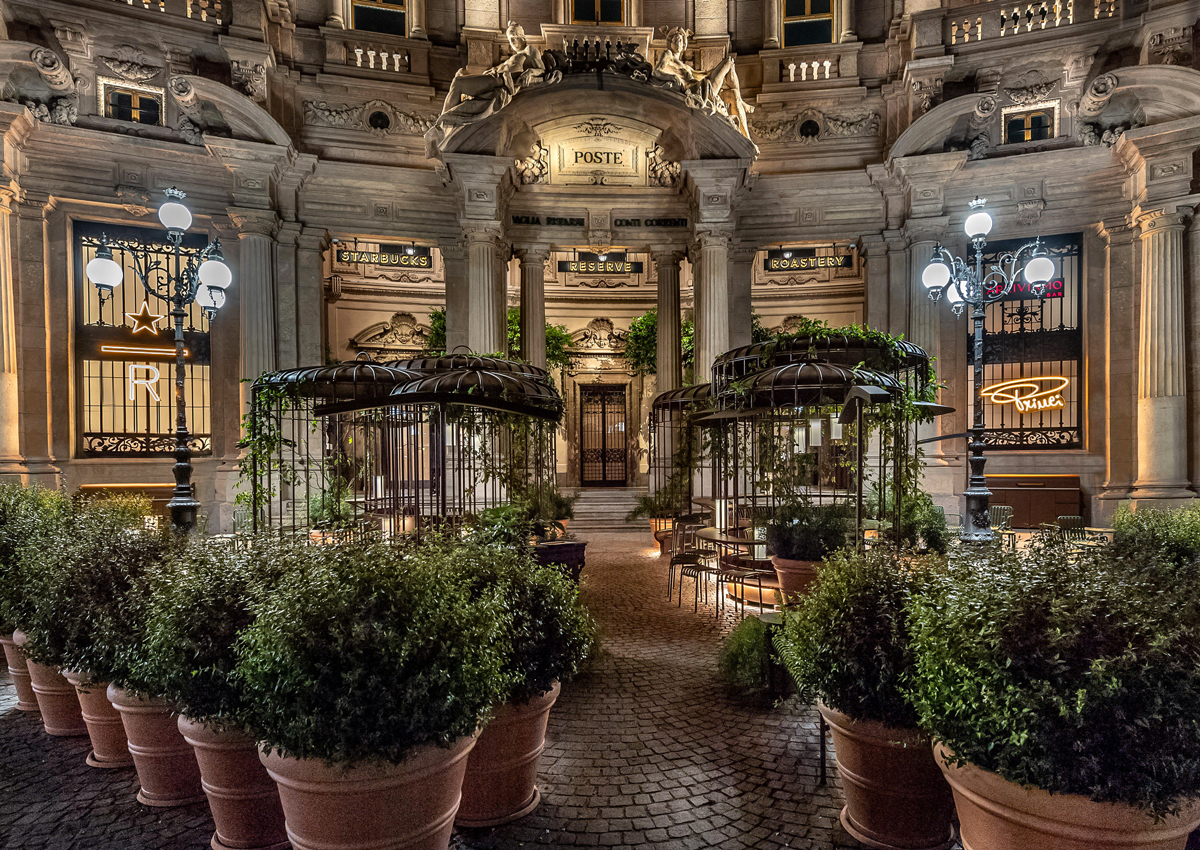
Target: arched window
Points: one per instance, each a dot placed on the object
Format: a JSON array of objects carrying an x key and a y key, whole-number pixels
[
  {"x": 1035, "y": 123},
  {"x": 807, "y": 22},
  {"x": 387, "y": 16}
]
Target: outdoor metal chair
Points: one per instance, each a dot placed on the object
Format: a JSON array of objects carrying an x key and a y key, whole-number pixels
[
  {"x": 1000, "y": 517},
  {"x": 688, "y": 557}
]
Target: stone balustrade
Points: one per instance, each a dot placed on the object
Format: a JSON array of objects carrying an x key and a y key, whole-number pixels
[
  {"x": 800, "y": 68},
  {"x": 209, "y": 11},
  {"x": 1004, "y": 18},
  {"x": 363, "y": 53}
]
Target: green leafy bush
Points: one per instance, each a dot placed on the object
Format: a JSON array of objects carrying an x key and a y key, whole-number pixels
[
  {"x": 1174, "y": 534},
  {"x": 847, "y": 640},
  {"x": 1075, "y": 675},
  {"x": 745, "y": 658},
  {"x": 550, "y": 632},
  {"x": 367, "y": 651},
  {"x": 204, "y": 599},
  {"x": 92, "y": 585},
  {"x": 547, "y": 502},
  {"x": 802, "y": 531},
  {"x": 30, "y": 518}
]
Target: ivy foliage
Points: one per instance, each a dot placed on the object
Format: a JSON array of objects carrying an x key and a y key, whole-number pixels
[
  {"x": 263, "y": 439},
  {"x": 803, "y": 531},
  {"x": 847, "y": 642},
  {"x": 1075, "y": 674},
  {"x": 641, "y": 346},
  {"x": 558, "y": 338}
]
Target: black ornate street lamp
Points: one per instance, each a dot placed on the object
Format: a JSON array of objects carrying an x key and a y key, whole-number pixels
[
  {"x": 193, "y": 274},
  {"x": 965, "y": 284}
]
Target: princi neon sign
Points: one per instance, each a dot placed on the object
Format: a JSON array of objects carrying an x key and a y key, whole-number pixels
[{"x": 1029, "y": 394}]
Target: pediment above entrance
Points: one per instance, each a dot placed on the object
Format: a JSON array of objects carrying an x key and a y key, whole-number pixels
[{"x": 659, "y": 115}]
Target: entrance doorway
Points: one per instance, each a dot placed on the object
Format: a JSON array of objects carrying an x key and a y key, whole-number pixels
[{"x": 602, "y": 440}]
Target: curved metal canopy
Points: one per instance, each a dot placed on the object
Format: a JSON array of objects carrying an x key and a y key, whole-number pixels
[
  {"x": 682, "y": 398},
  {"x": 455, "y": 362},
  {"x": 356, "y": 383},
  {"x": 804, "y": 384},
  {"x": 505, "y": 391},
  {"x": 839, "y": 349}
]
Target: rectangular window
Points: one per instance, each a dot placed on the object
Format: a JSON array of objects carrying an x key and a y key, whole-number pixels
[
  {"x": 597, "y": 11},
  {"x": 125, "y": 353},
  {"x": 807, "y": 22},
  {"x": 126, "y": 101},
  {"x": 1033, "y": 354},
  {"x": 386, "y": 16},
  {"x": 1034, "y": 123}
]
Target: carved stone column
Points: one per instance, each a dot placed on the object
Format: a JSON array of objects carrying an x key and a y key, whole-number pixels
[
  {"x": 771, "y": 25},
  {"x": 741, "y": 310},
  {"x": 416, "y": 19},
  {"x": 533, "y": 303},
  {"x": 1120, "y": 395},
  {"x": 922, "y": 312},
  {"x": 256, "y": 289},
  {"x": 336, "y": 14},
  {"x": 1162, "y": 379},
  {"x": 669, "y": 371},
  {"x": 287, "y": 329},
  {"x": 846, "y": 21},
  {"x": 11, "y": 461},
  {"x": 458, "y": 298},
  {"x": 712, "y": 301},
  {"x": 483, "y": 271}
]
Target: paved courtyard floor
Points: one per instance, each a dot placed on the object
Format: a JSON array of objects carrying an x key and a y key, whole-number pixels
[{"x": 647, "y": 749}]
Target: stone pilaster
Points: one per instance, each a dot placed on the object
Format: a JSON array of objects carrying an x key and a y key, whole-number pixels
[
  {"x": 11, "y": 461},
  {"x": 874, "y": 252},
  {"x": 1162, "y": 378},
  {"x": 33, "y": 337},
  {"x": 256, "y": 289},
  {"x": 533, "y": 303},
  {"x": 923, "y": 236},
  {"x": 846, "y": 21},
  {"x": 484, "y": 267},
  {"x": 771, "y": 22},
  {"x": 309, "y": 304},
  {"x": 458, "y": 299},
  {"x": 287, "y": 330},
  {"x": 416, "y": 19},
  {"x": 741, "y": 275},
  {"x": 669, "y": 371},
  {"x": 712, "y": 301}
]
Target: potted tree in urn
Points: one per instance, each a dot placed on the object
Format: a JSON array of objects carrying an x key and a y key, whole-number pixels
[
  {"x": 78, "y": 587},
  {"x": 1062, "y": 690},
  {"x": 547, "y": 640},
  {"x": 801, "y": 535},
  {"x": 205, "y": 599},
  {"x": 847, "y": 645},
  {"x": 366, "y": 676}
]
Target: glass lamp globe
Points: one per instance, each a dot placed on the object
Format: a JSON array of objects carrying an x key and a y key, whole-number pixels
[
  {"x": 175, "y": 216},
  {"x": 978, "y": 224},
  {"x": 215, "y": 274},
  {"x": 211, "y": 297},
  {"x": 936, "y": 275},
  {"x": 103, "y": 271},
  {"x": 953, "y": 295},
  {"x": 1039, "y": 270}
]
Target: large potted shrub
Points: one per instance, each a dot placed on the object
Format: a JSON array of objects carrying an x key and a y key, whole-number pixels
[
  {"x": 660, "y": 508},
  {"x": 366, "y": 675},
  {"x": 548, "y": 637},
  {"x": 28, "y": 515},
  {"x": 846, "y": 643},
  {"x": 801, "y": 535},
  {"x": 1062, "y": 692},
  {"x": 79, "y": 587},
  {"x": 196, "y": 613}
]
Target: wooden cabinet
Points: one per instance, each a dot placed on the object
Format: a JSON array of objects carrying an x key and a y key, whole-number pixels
[{"x": 1036, "y": 499}]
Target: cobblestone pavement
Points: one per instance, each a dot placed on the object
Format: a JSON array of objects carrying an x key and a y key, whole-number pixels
[{"x": 648, "y": 749}]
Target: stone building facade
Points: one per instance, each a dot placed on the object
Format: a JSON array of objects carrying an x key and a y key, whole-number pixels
[{"x": 725, "y": 158}]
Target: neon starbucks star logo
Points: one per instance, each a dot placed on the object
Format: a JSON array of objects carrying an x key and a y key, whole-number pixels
[{"x": 144, "y": 320}]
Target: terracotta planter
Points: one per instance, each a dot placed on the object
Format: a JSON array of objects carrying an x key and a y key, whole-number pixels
[
  {"x": 501, "y": 780},
  {"x": 110, "y": 748},
  {"x": 372, "y": 806},
  {"x": 55, "y": 697},
  {"x": 243, "y": 797},
  {"x": 896, "y": 798},
  {"x": 795, "y": 576},
  {"x": 995, "y": 814},
  {"x": 18, "y": 671},
  {"x": 166, "y": 765},
  {"x": 661, "y": 524}
]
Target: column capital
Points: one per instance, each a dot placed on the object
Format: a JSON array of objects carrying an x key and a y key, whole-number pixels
[
  {"x": 475, "y": 231},
  {"x": 254, "y": 222},
  {"x": 1168, "y": 218},
  {"x": 714, "y": 237},
  {"x": 663, "y": 254},
  {"x": 925, "y": 229},
  {"x": 1117, "y": 231},
  {"x": 532, "y": 254},
  {"x": 742, "y": 253}
]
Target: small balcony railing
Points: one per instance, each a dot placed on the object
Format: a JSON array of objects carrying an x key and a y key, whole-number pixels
[
  {"x": 208, "y": 11},
  {"x": 363, "y": 53},
  {"x": 996, "y": 20}
]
